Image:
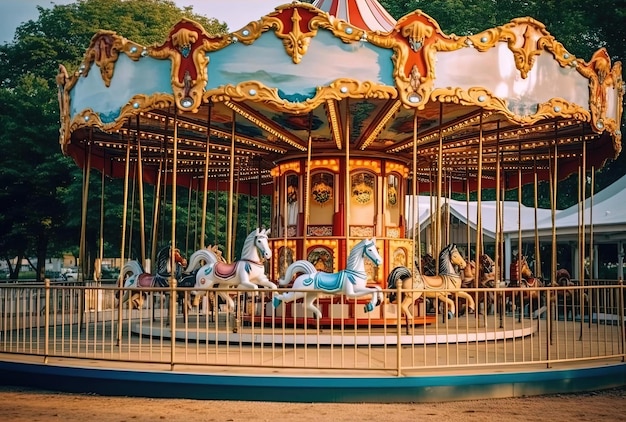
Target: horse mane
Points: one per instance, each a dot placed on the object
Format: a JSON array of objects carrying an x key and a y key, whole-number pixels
[
  {"x": 248, "y": 244},
  {"x": 356, "y": 250},
  {"x": 162, "y": 260},
  {"x": 444, "y": 258}
]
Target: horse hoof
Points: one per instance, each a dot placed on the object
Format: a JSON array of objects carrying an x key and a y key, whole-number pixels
[
  {"x": 369, "y": 307},
  {"x": 276, "y": 301},
  {"x": 450, "y": 314}
]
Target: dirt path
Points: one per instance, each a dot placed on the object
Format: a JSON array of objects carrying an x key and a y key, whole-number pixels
[{"x": 20, "y": 404}]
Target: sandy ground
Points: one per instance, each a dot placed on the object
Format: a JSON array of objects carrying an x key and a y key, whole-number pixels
[{"x": 20, "y": 404}]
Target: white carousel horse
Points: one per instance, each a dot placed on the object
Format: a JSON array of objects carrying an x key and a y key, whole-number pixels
[
  {"x": 248, "y": 272},
  {"x": 200, "y": 258},
  {"x": 417, "y": 285},
  {"x": 351, "y": 281},
  {"x": 134, "y": 276}
]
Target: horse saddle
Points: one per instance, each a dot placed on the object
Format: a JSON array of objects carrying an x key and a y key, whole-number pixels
[
  {"x": 225, "y": 270},
  {"x": 531, "y": 282},
  {"x": 148, "y": 280},
  {"x": 328, "y": 282}
]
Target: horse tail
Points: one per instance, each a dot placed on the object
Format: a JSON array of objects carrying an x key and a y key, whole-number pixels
[
  {"x": 197, "y": 257},
  {"x": 301, "y": 266},
  {"x": 131, "y": 267},
  {"x": 398, "y": 273}
]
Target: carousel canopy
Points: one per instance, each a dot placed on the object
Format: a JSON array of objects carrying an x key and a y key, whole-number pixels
[
  {"x": 299, "y": 78},
  {"x": 364, "y": 14}
]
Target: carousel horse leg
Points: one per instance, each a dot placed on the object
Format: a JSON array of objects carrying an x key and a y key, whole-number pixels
[
  {"x": 310, "y": 298},
  {"x": 450, "y": 308},
  {"x": 405, "y": 306}
]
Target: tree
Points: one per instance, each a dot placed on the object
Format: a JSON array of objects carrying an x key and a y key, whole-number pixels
[{"x": 41, "y": 192}]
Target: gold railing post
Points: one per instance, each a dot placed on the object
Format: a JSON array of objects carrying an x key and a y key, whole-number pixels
[
  {"x": 548, "y": 327},
  {"x": 399, "y": 325},
  {"x": 46, "y": 319},
  {"x": 173, "y": 284},
  {"x": 621, "y": 316}
]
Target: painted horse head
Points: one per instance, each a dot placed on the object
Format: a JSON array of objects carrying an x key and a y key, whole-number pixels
[
  {"x": 371, "y": 251},
  {"x": 450, "y": 257},
  {"x": 164, "y": 262},
  {"x": 261, "y": 243}
]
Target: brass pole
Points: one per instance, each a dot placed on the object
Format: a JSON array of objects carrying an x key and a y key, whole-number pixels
[
  {"x": 205, "y": 186},
  {"x": 439, "y": 176},
  {"x": 348, "y": 183},
  {"x": 499, "y": 209},
  {"x": 479, "y": 193},
  {"x": 307, "y": 187},
  {"x": 173, "y": 281},
  {"x": 538, "y": 269},
  {"x": 142, "y": 221},
  {"x": 189, "y": 191},
  {"x": 85, "y": 200},
  {"x": 519, "y": 208},
  {"x": 124, "y": 213},
  {"x": 417, "y": 252},
  {"x": 101, "y": 234},
  {"x": 229, "y": 213},
  {"x": 553, "y": 204}
]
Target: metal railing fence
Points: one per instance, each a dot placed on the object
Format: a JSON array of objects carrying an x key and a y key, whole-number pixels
[{"x": 510, "y": 327}]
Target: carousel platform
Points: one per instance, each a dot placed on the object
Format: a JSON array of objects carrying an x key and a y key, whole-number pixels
[
  {"x": 209, "y": 361},
  {"x": 264, "y": 330}
]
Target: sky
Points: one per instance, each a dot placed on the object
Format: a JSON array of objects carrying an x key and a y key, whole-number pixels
[{"x": 236, "y": 13}]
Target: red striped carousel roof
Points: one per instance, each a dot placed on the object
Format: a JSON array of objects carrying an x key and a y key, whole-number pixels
[{"x": 365, "y": 14}]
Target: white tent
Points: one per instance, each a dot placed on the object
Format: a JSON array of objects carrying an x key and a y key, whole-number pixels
[
  {"x": 606, "y": 210},
  {"x": 604, "y": 215}
]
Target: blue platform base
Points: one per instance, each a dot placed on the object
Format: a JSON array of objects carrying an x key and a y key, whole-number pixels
[{"x": 288, "y": 388}]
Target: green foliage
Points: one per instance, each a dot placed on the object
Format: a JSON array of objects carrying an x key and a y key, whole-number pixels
[{"x": 42, "y": 189}]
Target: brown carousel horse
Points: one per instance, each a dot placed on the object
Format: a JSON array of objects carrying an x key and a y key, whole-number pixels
[
  {"x": 135, "y": 278},
  {"x": 414, "y": 285},
  {"x": 567, "y": 301},
  {"x": 485, "y": 270},
  {"x": 528, "y": 284}
]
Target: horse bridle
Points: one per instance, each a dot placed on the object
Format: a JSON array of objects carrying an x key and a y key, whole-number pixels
[
  {"x": 258, "y": 250},
  {"x": 366, "y": 252}
]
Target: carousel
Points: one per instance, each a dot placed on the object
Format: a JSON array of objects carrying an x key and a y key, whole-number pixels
[{"x": 338, "y": 116}]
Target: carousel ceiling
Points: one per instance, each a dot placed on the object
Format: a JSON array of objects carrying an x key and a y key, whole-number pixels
[{"x": 506, "y": 99}]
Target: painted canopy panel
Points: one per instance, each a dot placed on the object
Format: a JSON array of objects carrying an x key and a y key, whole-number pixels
[
  {"x": 327, "y": 60},
  {"x": 145, "y": 77},
  {"x": 495, "y": 70},
  {"x": 298, "y": 77}
]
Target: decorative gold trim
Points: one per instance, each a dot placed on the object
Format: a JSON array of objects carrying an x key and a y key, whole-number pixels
[
  {"x": 296, "y": 42},
  {"x": 422, "y": 39},
  {"x": 104, "y": 51},
  {"x": 403, "y": 245},
  {"x": 266, "y": 124},
  {"x": 485, "y": 99},
  {"x": 63, "y": 97},
  {"x": 383, "y": 117},
  {"x": 338, "y": 90},
  {"x": 334, "y": 120},
  {"x": 179, "y": 47},
  {"x": 602, "y": 78}
]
